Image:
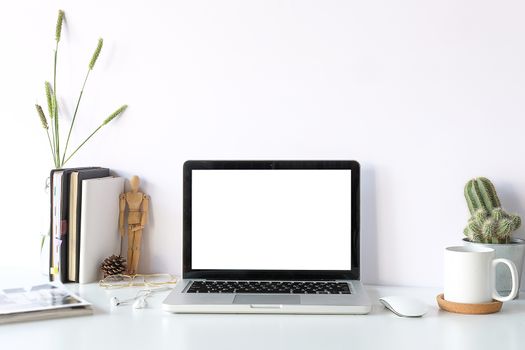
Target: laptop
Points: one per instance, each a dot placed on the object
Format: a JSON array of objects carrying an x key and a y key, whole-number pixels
[{"x": 270, "y": 237}]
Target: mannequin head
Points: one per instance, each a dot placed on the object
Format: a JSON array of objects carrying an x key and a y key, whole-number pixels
[{"x": 134, "y": 183}]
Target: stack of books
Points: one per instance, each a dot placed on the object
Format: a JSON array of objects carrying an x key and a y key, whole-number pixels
[{"x": 84, "y": 222}]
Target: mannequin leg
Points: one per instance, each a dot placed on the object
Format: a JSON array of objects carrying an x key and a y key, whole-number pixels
[
  {"x": 136, "y": 250},
  {"x": 131, "y": 236}
]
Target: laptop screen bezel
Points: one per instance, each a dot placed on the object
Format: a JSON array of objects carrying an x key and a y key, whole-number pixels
[{"x": 189, "y": 273}]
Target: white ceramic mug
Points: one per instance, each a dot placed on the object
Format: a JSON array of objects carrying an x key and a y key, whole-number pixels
[{"x": 469, "y": 275}]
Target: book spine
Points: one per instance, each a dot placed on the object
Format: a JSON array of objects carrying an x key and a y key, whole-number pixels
[
  {"x": 72, "y": 227},
  {"x": 84, "y": 241},
  {"x": 56, "y": 226},
  {"x": 51, "y": 233}
]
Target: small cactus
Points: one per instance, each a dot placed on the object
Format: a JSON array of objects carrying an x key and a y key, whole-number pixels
[{"x": 488, "y": 223}]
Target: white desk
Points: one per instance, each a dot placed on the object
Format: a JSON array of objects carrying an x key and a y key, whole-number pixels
[{"x": 151, "y": 328}]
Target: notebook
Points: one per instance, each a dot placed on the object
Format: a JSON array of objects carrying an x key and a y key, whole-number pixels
[
  {"x": 75, "y": 205},
  {"x": 99, "y": 236}
]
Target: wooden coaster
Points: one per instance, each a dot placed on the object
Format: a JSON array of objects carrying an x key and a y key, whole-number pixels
[{"x": 472, "y": 309}]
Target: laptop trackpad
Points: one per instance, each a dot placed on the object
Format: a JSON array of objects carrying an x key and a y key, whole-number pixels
[{"x": 267, "y": 299}]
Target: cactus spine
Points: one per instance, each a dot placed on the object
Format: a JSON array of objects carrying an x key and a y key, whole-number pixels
[{"x": 488, "y": 223}]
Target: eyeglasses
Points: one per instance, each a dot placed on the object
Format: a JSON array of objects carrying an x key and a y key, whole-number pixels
[{"x": 138, "y": 280}]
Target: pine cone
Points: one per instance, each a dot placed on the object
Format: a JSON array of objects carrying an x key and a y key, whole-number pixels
[{"x": 113, "y": 265}]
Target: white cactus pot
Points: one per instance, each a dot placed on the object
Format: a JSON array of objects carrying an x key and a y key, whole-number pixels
[{"x": 514, "y": 251}]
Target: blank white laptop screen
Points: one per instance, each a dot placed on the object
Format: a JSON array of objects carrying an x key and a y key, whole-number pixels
[{"x": 271, "y": 219}]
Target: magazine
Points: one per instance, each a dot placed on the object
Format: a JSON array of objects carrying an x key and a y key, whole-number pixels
[{"x": 43, "y": 301}]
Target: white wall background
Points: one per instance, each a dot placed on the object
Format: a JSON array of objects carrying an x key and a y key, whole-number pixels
[{"x": 425, "y": 94}]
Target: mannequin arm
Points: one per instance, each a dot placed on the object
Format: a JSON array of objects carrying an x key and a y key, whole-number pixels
[
  {"x": 145, "y": 211},
  {"x": 122, "y": 209}
]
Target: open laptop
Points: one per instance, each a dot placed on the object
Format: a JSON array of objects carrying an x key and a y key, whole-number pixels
[{"x": 270, "y": 237}]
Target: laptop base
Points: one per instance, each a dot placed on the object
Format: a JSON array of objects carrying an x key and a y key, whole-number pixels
[{"x": 230, "y": 303}]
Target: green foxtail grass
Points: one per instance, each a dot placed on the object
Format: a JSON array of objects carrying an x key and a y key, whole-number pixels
[{"x": 60, "y": 158}]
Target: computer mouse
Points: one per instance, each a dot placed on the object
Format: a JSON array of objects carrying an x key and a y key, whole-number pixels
[{"x": 404, "y": 306}]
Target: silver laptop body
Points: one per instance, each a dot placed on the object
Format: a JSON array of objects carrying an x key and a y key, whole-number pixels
[{"x": 270, "y": 237}]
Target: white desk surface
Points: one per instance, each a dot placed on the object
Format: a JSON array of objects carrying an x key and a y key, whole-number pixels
[{"x": 126, "y": 328}]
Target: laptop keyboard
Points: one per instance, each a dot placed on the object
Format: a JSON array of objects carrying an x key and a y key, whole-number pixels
[{"x": 269, "y": 287}]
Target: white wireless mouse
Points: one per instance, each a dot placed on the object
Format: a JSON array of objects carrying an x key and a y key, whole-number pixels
[{"x": 404, "y": 306}]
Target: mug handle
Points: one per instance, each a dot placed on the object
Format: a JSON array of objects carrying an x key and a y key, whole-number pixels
[{"x": 514, "y": 275}]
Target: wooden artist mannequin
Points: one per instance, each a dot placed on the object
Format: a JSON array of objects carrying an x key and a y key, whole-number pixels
[{"x": 137, "y": 204}]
